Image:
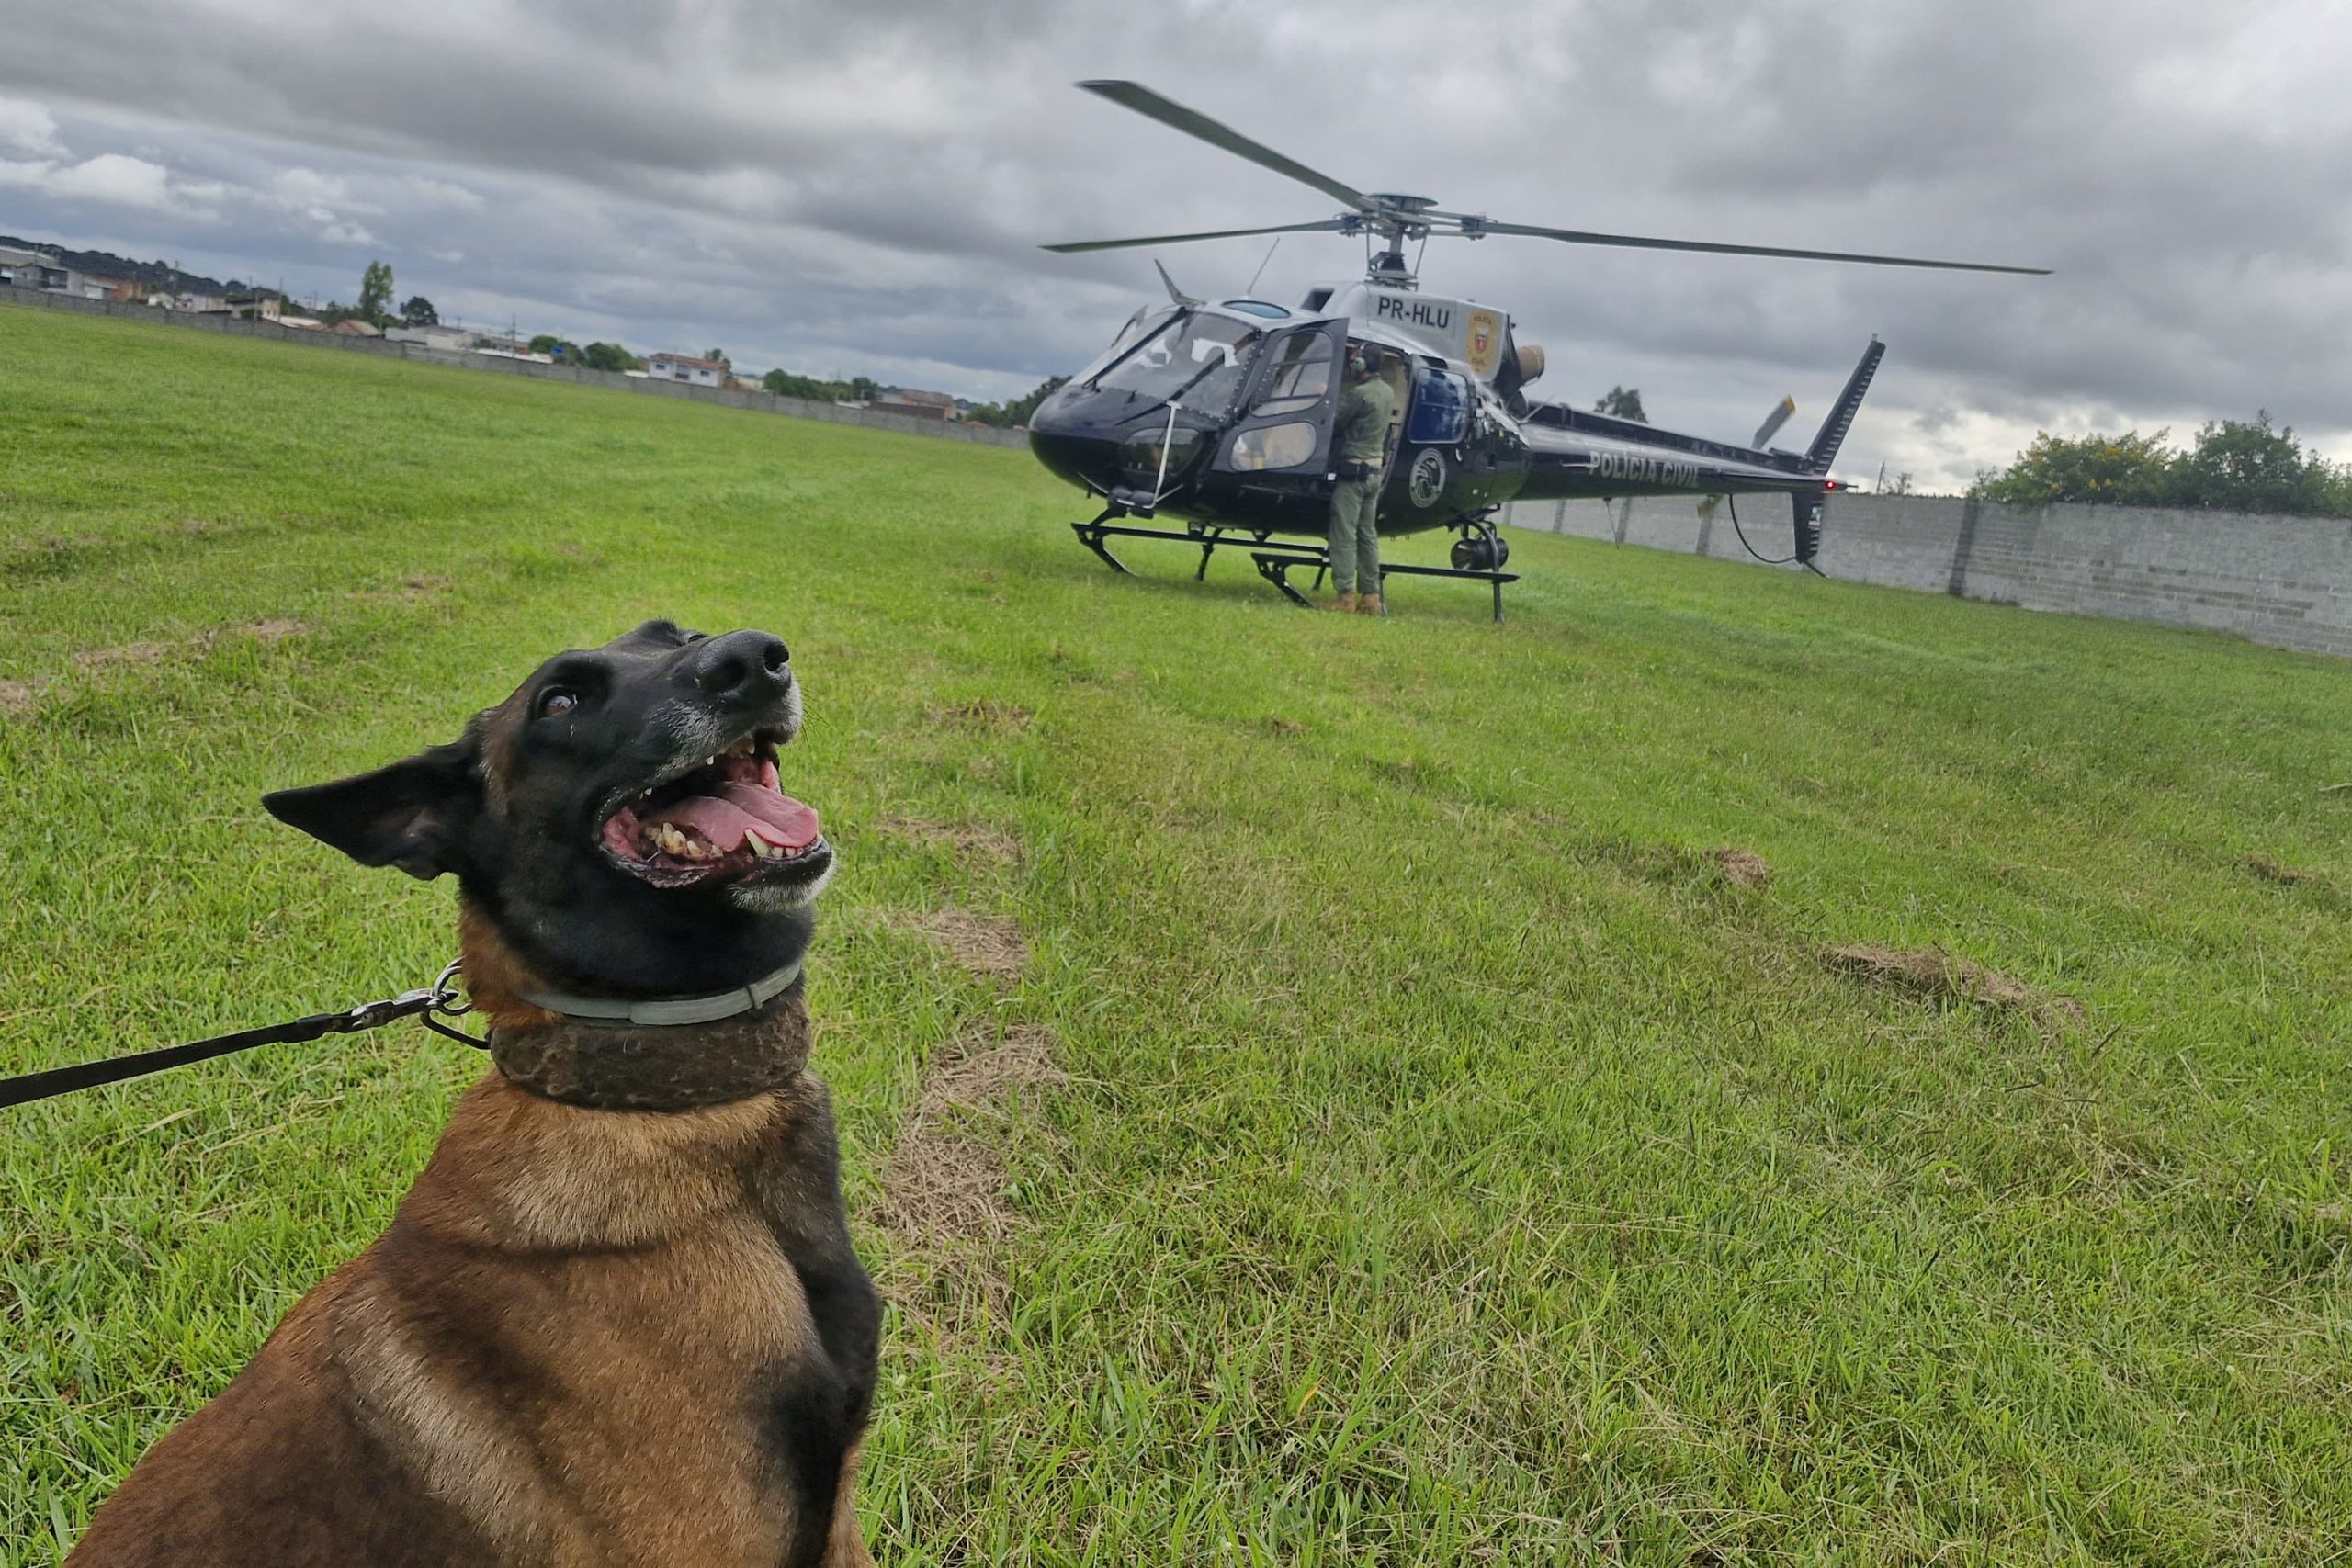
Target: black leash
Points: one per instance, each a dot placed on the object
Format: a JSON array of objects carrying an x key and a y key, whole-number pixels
[{"x": 440, "y": 997}]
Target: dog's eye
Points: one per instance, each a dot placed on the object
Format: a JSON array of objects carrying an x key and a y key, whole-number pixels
[{"x": 554, "y": 703}]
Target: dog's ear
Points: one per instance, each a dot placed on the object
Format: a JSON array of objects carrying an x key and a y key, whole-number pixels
[{"x": 415, "y": 813}]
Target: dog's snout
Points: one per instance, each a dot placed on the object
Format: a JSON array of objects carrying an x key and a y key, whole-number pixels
[{"x": 743, "y": 666}]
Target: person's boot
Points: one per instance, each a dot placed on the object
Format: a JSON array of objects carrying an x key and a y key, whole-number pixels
[
  {"x": 1345, "y": 603},
  {"x": 1369, "y": 604}
]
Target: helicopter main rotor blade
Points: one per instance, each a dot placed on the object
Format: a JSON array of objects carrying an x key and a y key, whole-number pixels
[
  {"x": 1070, "y": 246},
  {"x": 1636, "y": 242},
  {"x": 1169, "y": 112}
]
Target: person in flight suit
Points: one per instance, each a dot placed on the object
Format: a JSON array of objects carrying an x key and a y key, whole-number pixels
[{"x": 1360, "y": 447}]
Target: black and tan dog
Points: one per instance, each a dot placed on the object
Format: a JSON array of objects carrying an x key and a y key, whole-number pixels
[{"x": 617, "y": 1320}]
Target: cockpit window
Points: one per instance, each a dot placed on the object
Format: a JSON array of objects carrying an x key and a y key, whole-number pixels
[
  {"x": 1196, "y": 358},
  {"x": 1301, "y": 377},
  {"x": 1440, "y": 408},
  {"x": 1144, "y": 320}
]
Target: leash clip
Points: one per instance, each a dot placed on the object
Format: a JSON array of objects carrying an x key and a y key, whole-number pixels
[{"x": 375, "y": 1015}]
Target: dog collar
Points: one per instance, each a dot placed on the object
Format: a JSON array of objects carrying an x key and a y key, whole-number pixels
[
  {"x": 665, "y": 1011},
  {"x": 674, "y": 1054}
]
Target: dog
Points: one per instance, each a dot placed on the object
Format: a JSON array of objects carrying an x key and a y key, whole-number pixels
[{"x": 617, "y": 1320}]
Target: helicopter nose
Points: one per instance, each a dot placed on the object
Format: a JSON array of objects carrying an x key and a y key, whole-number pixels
[{"x": 1076, "y": 449}]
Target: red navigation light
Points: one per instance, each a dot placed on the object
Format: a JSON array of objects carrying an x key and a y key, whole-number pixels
[{"x": 1831, "y": 484}]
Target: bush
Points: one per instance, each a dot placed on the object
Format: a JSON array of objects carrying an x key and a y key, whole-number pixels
[{"x": 2235, "y": 466}]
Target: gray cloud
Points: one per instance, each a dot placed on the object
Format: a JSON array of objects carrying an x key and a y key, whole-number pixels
[{"x": 843, "y": 188}]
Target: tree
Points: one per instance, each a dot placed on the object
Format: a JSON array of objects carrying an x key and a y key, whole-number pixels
[
  {"x": 1008, "y": 416},
  {"x": 1622, "y": 403},
  {"x": 376, "y": 293},
  {"x": 2244, "y": 465},
  {"x": 785, "y": 384},
  {"x": 864, "y": 389},
  {"x": 607, "y": 356},
  {"x": 2130, "y": 470},
  {"x": 418, "y": 312}
]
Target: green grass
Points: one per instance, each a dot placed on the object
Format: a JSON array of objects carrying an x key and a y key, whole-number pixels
[{"x": 1454, "y": 1168}]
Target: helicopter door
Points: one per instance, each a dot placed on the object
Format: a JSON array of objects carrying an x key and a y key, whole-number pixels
[{"x": 1289, "y": 406}]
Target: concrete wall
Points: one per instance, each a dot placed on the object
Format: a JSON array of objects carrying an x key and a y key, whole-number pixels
[
  {"x": 977, "y": 434},
  {"x": 2282, "y": 580}
]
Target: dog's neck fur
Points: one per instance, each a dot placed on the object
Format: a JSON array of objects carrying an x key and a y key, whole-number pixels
[{"x": 608, "y": 1067}]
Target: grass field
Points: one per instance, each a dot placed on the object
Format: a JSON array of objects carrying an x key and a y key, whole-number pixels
[{"x": 1450, "y": 1160}]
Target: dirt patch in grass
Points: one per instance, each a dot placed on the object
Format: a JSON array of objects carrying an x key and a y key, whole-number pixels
[
  {"x": 1282, "y": 726},
  {"x": 941, "y": 1188},
  {"x": 124, "y": 656},
  {"x": 414, "y": 589},
  {"x": 2268, "y": 870},
  {"x": 139, "y": 655},
  {"x": 1742, "y": 868},
  {"x": 944, "y": 1184},
  {"x": 18, "y": 699},
  {"x": 981, "y": 713},
  {"x": 966, "y": 842},
  {"x": 987, "y": 946},
  {"x": 985, "y": 1079},
  {"x": 1932, "y": 972}
]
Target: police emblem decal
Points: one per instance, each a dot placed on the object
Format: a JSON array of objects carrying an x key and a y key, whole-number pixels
[
  {"x": 1486, "y": 340},
  {"x": 1427, "y": 480}
]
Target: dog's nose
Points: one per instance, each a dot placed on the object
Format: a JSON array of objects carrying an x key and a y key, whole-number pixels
[{"x": 743, "y": 666}]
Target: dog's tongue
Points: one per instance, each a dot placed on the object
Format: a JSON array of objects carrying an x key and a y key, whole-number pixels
[{"x": 722, "y": 818}]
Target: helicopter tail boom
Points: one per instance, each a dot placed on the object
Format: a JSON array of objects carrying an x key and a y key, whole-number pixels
[{"x": 1832, "y": 434}]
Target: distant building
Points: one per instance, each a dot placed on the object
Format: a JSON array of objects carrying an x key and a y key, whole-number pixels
[
  {"x": 351, "y": 326},
  {"x": 38, "y": 269},
  {"x": 914, "y": 403},
  {"x": 305, "y": 323},
  {"x": 447, "y": 339},
  {"x": 687, "y": 368}
]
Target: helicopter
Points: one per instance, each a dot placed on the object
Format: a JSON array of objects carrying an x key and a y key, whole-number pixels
[{"x": 1219, "y": 413}]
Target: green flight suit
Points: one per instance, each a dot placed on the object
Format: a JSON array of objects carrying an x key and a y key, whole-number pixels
[{"x": 1359, "y": 436}]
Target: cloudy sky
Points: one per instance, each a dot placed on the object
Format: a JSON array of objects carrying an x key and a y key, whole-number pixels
[{"x": 860, "y": 188}]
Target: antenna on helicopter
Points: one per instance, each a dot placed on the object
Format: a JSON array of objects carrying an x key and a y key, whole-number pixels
[
  {"x": 1252, "y": 287},
  {"x": 1394, "y": 218}
]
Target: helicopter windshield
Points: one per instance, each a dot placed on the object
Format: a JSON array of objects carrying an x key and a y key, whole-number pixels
[{"x": 1199, "y": 358}]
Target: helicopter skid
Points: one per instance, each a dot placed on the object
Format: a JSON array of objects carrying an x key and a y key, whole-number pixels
[
  {"x": 1275, "y": 569},
  {"x": 1092, "y": 535},
  {"x": 1274, "y": 557}
]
